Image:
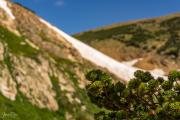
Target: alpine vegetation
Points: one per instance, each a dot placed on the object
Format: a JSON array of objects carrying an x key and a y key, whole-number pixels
[{"x": 143, "y": 98}]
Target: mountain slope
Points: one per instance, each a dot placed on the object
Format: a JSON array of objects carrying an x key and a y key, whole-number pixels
[
  {"x": 155, "y": 41},
  {"x": 121, "y": 70},
  {"x": 42, "y": 69},
  {"x": 42, "y": 75}
]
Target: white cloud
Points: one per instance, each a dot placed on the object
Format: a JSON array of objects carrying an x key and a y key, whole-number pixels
[{"x": 59, "y": 3}]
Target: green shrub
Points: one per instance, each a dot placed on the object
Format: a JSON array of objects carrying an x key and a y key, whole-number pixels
[
  {"x": 172, "y": 46},
  {"x": 143, "y": 98},
  {"x": 172, "y": 24}
]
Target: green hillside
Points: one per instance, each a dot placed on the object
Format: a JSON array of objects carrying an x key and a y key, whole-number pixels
[{"x": 159, "y": 37}]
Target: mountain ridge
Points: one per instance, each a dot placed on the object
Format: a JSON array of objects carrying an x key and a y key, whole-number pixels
[{"x": 108, "y": 26}]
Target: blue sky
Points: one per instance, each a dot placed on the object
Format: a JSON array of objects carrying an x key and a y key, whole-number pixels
[{"x": 74, "y": 16}]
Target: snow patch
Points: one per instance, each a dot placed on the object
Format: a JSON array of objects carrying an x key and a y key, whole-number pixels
[
  {"x": 158, "y": 71},
  {"x": 121, "y": 70},
  {"x": 4, "y": 6},
  {"x": 131, "y": 62}
]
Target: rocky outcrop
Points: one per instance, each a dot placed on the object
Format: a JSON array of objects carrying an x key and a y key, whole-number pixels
[
  {"x": 7, "y": 84},
  {"x": 34, "y": 81}
]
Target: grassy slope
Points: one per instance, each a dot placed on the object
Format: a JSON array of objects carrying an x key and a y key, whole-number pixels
[
  {"x": 21, "y": 109},
  {"x": 16, "y": 44},
  {"x": 147, "y": 35}
]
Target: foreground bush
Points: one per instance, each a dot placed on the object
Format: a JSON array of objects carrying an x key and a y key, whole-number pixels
[{"x": 143, "y": 98}]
